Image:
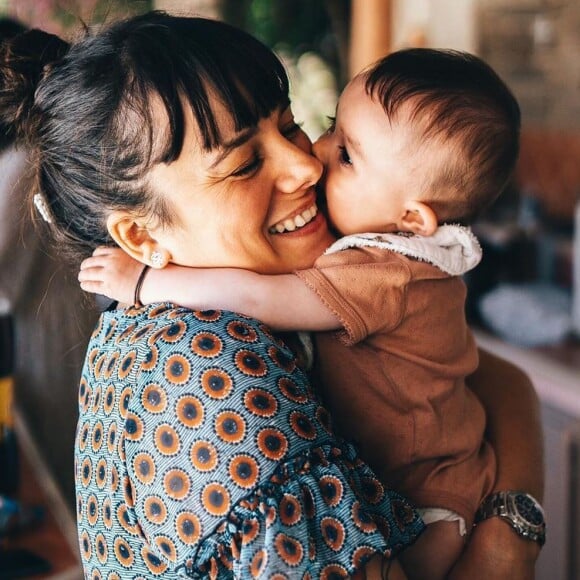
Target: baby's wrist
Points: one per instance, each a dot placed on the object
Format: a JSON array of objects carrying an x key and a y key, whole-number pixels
[
  {"x": 148, "y": 288},
  {"x": 139, "y": 293}
]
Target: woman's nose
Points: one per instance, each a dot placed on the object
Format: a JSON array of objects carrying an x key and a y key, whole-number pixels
[{"x": 299, "y": 169}]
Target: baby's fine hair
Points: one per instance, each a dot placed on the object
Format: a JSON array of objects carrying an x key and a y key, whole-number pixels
[{"x": 456, "y": 100}]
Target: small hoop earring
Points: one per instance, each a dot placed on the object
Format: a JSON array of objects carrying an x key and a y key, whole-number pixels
[{"x": 157, "y": 260}]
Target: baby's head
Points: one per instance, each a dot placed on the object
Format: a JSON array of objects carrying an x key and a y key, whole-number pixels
[{"x": 420, "y": 138}]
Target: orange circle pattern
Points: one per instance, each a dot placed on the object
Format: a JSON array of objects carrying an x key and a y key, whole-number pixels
[{"x": 198, "y": 434}]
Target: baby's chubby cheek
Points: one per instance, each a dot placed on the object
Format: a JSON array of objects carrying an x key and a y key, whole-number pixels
[
  {"x": 321, "y": 198},
  {"x": 323, "y": 206}
]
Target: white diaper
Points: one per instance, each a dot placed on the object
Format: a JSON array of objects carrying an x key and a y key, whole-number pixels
[{"x": 431, "y": 515}]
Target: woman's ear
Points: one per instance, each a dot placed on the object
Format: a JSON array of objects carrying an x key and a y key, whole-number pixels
[
  {"x": 136, "y": 240},
  {"x": 419, "y": 219}
]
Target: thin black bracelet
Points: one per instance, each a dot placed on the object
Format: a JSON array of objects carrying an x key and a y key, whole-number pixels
[{"x": 136, "y": 298}]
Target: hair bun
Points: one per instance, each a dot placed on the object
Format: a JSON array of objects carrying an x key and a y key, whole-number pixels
[{"x": 25, "y": 61}]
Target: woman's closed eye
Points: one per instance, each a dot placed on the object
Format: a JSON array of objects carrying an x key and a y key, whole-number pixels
[
  {"x": 291, "y": 130},
  {"x": 249, "y": 167}
]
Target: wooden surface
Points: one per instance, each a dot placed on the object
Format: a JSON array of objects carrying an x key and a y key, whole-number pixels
[
  {"x": 567, "y": 354},
  {"x": 548, "y": 169},
  {"x": 55, "y": 538},
  {"x": 370, "y": 32},
  {"x": 555, "y": 370}
]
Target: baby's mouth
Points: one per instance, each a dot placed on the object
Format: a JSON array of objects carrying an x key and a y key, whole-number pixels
[{"x": 295, "y": 223}]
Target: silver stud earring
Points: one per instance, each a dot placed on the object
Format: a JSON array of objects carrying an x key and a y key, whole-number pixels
[{"x": 156, "y": 259}]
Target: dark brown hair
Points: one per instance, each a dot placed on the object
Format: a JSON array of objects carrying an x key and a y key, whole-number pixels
[
  {"x": 9, "y": 28},
  {"x": 86, "y": 110},
  {"x": 456, "y": 97}
]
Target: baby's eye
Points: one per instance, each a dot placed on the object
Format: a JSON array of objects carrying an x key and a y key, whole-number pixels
[{"x": 343, "y": 156}]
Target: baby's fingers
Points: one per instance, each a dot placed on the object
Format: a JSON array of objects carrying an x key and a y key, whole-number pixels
[
  {"x": 92, "y": 262},
  {"x": 90, "y": 273},
  {"x": 92, "y": 286},
  {"x": 106, "y": 250}
]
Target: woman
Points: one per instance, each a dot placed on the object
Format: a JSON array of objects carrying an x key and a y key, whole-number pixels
[{"x": 201, "y": 450}]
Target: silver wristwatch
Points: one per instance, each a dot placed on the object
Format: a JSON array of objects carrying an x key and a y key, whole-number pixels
[{"x": 522, "y": 511}]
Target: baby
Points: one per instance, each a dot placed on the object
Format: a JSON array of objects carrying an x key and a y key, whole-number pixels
[{"x": 422, "y": 142}]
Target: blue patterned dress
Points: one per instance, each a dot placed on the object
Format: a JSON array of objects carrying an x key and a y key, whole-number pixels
[{"x": 201, "y": 452}]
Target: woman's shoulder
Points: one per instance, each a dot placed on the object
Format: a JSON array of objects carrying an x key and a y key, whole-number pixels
[
  {"x": 172, "y": 322},
  {"x": 174, "y": 337}
]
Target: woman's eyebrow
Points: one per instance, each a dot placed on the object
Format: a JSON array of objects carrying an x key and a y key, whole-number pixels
[{"x": 227, "y": 147}]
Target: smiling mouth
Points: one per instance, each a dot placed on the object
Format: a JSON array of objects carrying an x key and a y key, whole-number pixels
[{"x": 295, "y": 223}]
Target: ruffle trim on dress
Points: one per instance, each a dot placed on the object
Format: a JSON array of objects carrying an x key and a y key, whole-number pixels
[{"x": 323, "y": 514}]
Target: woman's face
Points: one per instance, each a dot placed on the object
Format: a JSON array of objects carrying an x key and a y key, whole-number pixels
[{"x": 249, "y": 204}]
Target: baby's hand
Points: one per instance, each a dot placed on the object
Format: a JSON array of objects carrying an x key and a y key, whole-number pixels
[{"x": 111, "y": 272}]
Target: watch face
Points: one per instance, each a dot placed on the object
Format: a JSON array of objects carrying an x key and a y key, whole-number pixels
[{"x": 528, "y": 510}]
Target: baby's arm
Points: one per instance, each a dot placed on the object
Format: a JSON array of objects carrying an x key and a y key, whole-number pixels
[{"x": 283, "y": 302}]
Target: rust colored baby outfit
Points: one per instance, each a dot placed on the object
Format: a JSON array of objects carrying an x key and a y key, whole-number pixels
[{"x": 394, "y": 376}]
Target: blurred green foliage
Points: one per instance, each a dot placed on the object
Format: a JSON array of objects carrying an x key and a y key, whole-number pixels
[{"x": 297, "y": 26}]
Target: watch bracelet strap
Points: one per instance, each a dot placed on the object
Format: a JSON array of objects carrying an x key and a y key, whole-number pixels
[
  {"x": 488, "y": 507},
  {"x": 496, "y": 505}
]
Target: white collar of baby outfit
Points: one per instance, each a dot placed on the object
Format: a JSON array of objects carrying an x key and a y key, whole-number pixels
[{"x": 452, "y": 248}]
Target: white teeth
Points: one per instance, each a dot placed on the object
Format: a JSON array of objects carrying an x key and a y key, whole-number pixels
[{"x": 298, "y": 221}]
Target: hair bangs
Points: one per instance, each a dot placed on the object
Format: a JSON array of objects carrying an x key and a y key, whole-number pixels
[
  {"x": 246, "y": 77},
  {"x": 191, "y": 62}
]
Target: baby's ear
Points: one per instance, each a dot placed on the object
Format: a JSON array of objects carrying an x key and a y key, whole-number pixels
[{"x": 419, "y": 219}]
